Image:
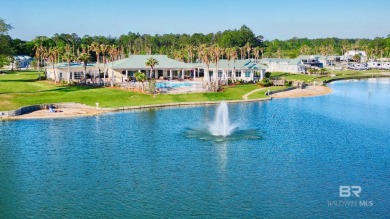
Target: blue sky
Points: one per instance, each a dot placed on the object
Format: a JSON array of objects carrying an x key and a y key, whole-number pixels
[{"x": 279, "y": 19}]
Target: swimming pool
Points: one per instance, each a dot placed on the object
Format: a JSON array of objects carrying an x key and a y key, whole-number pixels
[{"x": 170, "y": 84}]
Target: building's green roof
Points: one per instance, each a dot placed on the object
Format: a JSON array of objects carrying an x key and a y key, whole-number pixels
[
  {"x": 317, "y": 57},
  {"x": 296, "y": 61},
  {"x": 72, "y": 65},
  {"x": 308, "y": 57},
  {"x": 138, "y": 62},
  {"x": 238, "y": 64}
]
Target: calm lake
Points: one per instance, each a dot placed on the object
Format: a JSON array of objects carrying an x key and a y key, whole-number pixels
[{"x": 288, "y": 159}]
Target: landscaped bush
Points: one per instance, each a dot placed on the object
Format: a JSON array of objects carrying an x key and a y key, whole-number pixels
[
  {"x": 42, "y": 78},
  {"x": 288, "y": 83},
  {"x": 267, "y": 75},
  {"x": 265, "y": 82},
  {"x": 237, "y": 82}
]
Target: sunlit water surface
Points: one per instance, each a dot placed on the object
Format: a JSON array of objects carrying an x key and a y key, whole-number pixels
[{"x": 287, "y": 158}]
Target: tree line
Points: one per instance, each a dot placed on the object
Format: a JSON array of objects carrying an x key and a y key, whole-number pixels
[{"x": 184, "y": 47}]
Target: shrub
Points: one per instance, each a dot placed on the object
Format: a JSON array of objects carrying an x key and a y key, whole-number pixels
[
  {"x": 42, "y": 77},
  {"x": 267, "y": 75},
  {"x": 265, "y": 82},
  {"x": 288, "y": 83}
]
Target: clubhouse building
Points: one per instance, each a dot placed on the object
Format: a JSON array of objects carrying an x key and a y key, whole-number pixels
[{"x": 168, "y": 69}]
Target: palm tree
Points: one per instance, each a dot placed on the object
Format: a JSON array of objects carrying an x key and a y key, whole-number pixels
[
  {"x": 11, "y": 59},
  {"x": 279, "y": 53},
  {"x": 222, "y": 53},
  {"x": 200, "y": 51},
  {"x": 262, "y": 51},
  {"x": 190, "y": 53},
  {"x": 151, "y": 62},
  {"x": 356, "y": 58},
  {"x": 45, "y": 57},
  {"x": 95, "y": 47},
  {"x": 113, "y": 53},
  {"x": 230, "y": 52},
  {"x": 122, "y": 52},
  {"x": 387, "y": 49},
  {"x": 242, "y": 52},
  {"x": 84, "y": 58},
  {"x": 256, "y": 52},
  {"x": 322, "y": 50},
  {"x": 216, "y": 52},
  {"x": 38, "y": 57},
  {"x": 181, "y": 55},
  {"x": 330, "y": 49},
  {"x": 305, "y": 50},
  {"x": 104, "y": 50},
  {"x": 60, "y": 51},
  {"x": 234, "y": 56},
  {"x": 38, "y": 54},
  {"x": 248, "y": 49},
  {"x": 344, "y": 48},
  {"x": 68, "y": 56},
  {"x": 206, "y": 56},
  {"x": 311, "y": 70},
  {"x": 52, "y": 58},
  {"x": 140, "y": 77}
]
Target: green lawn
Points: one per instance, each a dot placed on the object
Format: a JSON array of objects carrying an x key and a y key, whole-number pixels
[
  {"x": 321, "y": 78},
  {"x": 298, "y": 77},
  {"x": 21, "y": 89},
  {"x": 261, "y": 93}
]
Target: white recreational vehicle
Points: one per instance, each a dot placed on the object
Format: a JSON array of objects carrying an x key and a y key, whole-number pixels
[{"x": 378, "y": 65}]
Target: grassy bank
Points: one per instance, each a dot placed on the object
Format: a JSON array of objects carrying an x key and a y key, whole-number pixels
[
  {"x": 345, "y": 74},
  {"x": 261, "y": 93},
  {"x": 19, "y": 89}
]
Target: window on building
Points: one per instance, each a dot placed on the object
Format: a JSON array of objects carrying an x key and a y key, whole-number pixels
[
  {"x": 77, "y": 75},
  {"x": 247, "y": 74},
  {"x": 238, "y": 74}
]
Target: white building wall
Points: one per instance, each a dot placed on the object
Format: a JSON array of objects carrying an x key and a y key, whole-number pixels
[{"x": 275, "y": 67}]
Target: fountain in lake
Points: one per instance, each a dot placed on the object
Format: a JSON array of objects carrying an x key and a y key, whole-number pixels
[
  {"x": 221, "y": 125},
  {"x": 221, "y": 129}
]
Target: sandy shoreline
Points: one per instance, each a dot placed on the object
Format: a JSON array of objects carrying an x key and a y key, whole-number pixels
[
  {"x": 63, "y": 113},
  {"x": 308, "y": 91},
  {"x": 91, "y": 111}
]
